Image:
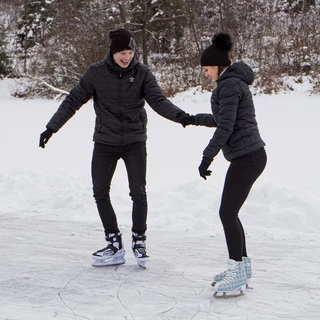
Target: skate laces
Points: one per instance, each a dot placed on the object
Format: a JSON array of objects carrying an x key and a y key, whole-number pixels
[
  {"x": 138, "y": 240},
  {"x": 139, "y": 246},
  {"x": 229, "y": 275},
  {"x": 113, "y": 246},
  {"x": 223, "y": 274},
  {"x": 109, "y": 250}
]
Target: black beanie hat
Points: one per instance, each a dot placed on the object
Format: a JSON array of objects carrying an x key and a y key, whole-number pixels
[
  {"x": 217, "y": 54},
  {"x": 121, "y": 39}
]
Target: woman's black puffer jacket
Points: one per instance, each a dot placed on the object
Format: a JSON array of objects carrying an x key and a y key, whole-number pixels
[{"x": 233, "y": 114}]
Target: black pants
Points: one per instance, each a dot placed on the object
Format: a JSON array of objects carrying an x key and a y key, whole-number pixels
[
  {"x": 241, "y": 175},
  {"x": 104, "y": 163}
]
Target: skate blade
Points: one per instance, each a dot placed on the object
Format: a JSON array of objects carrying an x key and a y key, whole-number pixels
[
  {"x": 106, "y": 263},
  {"x": 231, "y": 294},
  {"x": 248, "y": 287},
  {"x": 142, "y": 262}
]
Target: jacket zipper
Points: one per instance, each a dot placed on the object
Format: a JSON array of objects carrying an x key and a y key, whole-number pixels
[{"x": 120, "y": 111}]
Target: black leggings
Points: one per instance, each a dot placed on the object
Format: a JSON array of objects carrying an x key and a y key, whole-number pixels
[{"x": 241, "y": 175}]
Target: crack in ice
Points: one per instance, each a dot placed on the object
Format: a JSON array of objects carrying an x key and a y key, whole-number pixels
[{"x": 64, "y": 288}]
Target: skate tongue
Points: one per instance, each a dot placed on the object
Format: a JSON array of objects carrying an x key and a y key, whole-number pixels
[
  {"x": 232, "y": 264},
  {"x": 231, "y": 272},
  {"x": 116, "y": 245}
]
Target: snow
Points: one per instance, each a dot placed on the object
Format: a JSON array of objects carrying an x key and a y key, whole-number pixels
[{"x": 50, "y": 226}]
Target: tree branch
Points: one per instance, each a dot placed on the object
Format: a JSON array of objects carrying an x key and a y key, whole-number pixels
[
  {"x": 54, "y": 89},
  {"x": 60, "y": 92}
]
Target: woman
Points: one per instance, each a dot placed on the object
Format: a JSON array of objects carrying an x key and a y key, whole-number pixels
[{"x": 237, "y": 135}]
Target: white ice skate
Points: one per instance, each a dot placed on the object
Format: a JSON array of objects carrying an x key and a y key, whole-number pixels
[
  {"x": 112, "y": 254},
  {"x": 139, "y": 249},
  {"x": 234, "y": 281},
  {"x": 247, "y": 266}
]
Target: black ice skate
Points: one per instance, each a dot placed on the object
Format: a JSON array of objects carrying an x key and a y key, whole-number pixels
[
  {"x": 139, "y": 249},
  {"x": 112, "y": 254}
]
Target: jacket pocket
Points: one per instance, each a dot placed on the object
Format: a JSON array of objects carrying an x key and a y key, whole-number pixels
[
  {"x": 143, "y": 119},
  {"x": 98, "y": 125}
]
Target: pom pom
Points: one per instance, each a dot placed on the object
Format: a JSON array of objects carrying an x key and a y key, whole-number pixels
[{"x": 222, "y": 41}]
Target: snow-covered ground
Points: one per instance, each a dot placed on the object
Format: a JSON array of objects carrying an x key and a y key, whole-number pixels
[{"x": 49, "y": 224}]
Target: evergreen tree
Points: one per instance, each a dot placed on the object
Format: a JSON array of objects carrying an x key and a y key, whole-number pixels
[
  {"x": 5, "y": 67},
  {"x": 157, "y": 25},
  {"x": 35, "y": 19},
  {"x": 6, "y": 22}
]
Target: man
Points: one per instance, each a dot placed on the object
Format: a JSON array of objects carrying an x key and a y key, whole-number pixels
[{"x": 119, "y": 85}]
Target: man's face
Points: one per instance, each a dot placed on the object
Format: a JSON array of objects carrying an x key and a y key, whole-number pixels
[{"x": 123, "y": 58}]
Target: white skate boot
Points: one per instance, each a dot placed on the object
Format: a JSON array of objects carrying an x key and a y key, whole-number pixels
[
  {"x": 234, "y": 281},
  {"x": 247, "y": 265},
  {"x": 112, "y": 254},
  {"x": 139, "y": 249}
]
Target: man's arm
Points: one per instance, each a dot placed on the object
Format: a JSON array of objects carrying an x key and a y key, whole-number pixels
[
  {"x": 158, "y": 102},
  {"x": 77, "y": 97}
]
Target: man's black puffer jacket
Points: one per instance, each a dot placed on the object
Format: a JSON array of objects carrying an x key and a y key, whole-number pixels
[
  {"x": 233, "y": 114},
  {"x": 119, "y": 97}
]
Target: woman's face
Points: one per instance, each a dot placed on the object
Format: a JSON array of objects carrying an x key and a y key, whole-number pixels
[
  {"x": 123, "y": 58},
  {"x": 211, "y": 72}
]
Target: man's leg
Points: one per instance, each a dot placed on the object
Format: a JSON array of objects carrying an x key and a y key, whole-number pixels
[
  {"x": 135, "y": 158},
  {"x": 104, "y": 162}
]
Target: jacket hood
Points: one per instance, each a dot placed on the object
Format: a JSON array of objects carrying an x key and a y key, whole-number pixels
[{"x": 239, "y": 70}]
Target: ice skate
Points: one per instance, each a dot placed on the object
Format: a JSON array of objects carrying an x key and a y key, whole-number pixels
[
  {"x": 139, "y": 249},
  {"x": 247, "y": 265},
  {"x": 112, "y": 254},
  {"x": 234, "y": 281}
]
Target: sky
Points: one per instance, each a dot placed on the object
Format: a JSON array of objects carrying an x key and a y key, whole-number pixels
[{"x": 49, "y": 224}]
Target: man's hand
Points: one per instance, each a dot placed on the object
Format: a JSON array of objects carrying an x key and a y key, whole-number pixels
[
  {"x": 186, "y": 120},
  {"x": 44, "y": 137}
]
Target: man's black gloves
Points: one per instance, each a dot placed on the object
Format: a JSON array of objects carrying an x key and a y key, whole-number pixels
[
  {"x": 44, "y": 137},
  {"x": 186, "y": 120},
  {"x": 203, "y": 168}
]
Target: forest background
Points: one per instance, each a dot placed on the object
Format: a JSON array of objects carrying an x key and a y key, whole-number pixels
[{"x": 46, "y": 45}]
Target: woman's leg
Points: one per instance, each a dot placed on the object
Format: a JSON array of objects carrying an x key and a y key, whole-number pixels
[{"x": 241, "y": 175}]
